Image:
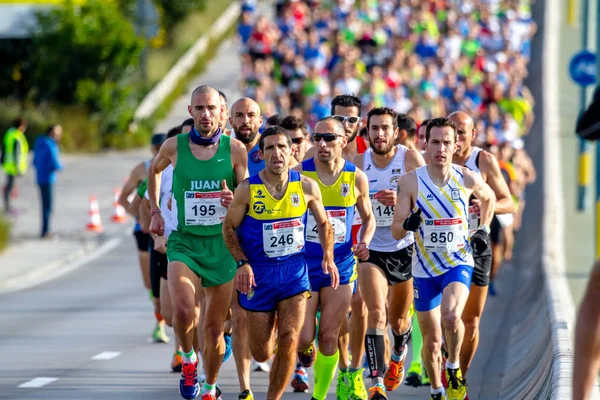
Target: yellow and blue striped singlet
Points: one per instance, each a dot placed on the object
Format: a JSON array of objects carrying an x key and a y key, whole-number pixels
[
  {"x": 442, "y": 240},
  {"x": 339, "y": 200},
  {"x": 273, "y": 230}
]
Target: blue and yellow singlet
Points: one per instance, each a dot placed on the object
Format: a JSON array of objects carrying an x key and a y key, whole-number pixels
[{"x": 273, "y": 230}]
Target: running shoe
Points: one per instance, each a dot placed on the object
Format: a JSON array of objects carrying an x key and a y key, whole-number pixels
[
  {"x": 188, "y": 384},
  {"x": 176, "y": 362},
  {"x": 342, "y": 388},
  {"x": 457, "y": 388},
  {"x": 394, "y": 373},
  {"x": 261, "y": 366},
  {"x": 307, "y": 357},
  {"x": 218, "y": 392},
  {"x": 438, "y": 396},
  {"x": 246, "y": 395},
  {"x": 228, "y": 349},
  {"x": 300, "y": 380},
  {"x": 358, "y": 391},
  {"x": 208, "y": 396},
  {"x": 377, "y": 392},
  {"x": 413, "y": 378},
  {"x": 159, "y": 335}
]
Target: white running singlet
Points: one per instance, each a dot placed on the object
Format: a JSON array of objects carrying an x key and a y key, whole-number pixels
[
  {"x": 442, "y": 240},
  {"x": 385, "y": 179}
]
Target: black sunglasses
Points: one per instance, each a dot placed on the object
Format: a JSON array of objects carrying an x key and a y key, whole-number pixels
[
  {"x": 342, "y": 119},
  {"x": 328, "y": 137},
  {"x": 297, "y": 140}
]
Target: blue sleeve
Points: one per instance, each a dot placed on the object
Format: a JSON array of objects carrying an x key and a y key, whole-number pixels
[{"x": 55, "y": 160}]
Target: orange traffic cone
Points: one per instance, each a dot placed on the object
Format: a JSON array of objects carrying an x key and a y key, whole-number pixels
[
  {"x": 119, "y": 215},
  {"x": 94, "y": 222}
]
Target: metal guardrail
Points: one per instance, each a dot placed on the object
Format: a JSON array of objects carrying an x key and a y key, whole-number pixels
[
  {"x": 540, "y": 322},
  {"x": 185, "y": 64}
]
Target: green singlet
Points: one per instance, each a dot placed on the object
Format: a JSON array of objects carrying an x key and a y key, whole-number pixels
[{"x": 197, "y": 239}]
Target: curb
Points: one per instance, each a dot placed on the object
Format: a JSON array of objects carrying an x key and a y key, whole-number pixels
[
  {"x": 186, "y": 63},
  {"x": 88, "y": 252},
  {"x": 559, "y": 301}
]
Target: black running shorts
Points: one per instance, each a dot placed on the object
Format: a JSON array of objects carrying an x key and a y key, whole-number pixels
[
  {"x": 482, "y": 268},
  {"x": 158, "y": 269},
  {"x": 141, "y": 239},
  {"x": 397, "y": 265}
]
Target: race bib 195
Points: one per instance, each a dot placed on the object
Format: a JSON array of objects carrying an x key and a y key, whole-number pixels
[
  {"x": 204, "y": 208},
  {"x": 283, "y": 238}
]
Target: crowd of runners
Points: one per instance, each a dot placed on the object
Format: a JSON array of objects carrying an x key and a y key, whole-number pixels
[{"x": 364, "y": 197}]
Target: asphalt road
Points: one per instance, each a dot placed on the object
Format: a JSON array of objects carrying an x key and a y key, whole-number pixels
[{"x": 56, "y": 329}]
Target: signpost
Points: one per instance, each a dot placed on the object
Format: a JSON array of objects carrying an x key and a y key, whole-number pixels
[{"x": 582, "y": 69}]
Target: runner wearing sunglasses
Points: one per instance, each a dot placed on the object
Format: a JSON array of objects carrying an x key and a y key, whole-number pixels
[{"x": 343, "y": 187}]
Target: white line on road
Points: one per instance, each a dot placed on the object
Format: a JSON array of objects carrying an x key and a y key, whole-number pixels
[
  {"x": 37, "y": 382},
  {"x": 107, "y": 355}
]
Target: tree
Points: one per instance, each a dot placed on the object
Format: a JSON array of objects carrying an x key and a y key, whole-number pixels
[
  {"x": 73, "y": 43},
  {"x": 172, "y": 11}
]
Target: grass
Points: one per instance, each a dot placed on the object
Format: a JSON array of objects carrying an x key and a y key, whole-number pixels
[
  {"x": 183, "y": 37},
  {"x": 4, "y": 232},
  {"x": 200, "y": 66}
]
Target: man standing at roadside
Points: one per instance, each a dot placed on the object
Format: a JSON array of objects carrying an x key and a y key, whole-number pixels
[
  {"x": 47, "y": 163},
  {"x": 14, "y": 159}
]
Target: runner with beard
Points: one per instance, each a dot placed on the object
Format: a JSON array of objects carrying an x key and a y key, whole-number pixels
[
  {"x": 347, "y": 109},
  {"x": 388, "y": 269}
]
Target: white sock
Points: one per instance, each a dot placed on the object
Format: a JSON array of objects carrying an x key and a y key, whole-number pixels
[
  {"x": 439, "y": 390},
  {"x": 190, "y": 357},
  {"x": 450, "y": 365}
]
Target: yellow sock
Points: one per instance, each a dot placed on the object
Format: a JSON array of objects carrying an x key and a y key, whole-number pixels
[{"x": 324, "y": 367}]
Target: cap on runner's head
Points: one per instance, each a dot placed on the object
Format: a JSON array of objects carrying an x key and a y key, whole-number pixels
[{"x": 158, "y": 139}]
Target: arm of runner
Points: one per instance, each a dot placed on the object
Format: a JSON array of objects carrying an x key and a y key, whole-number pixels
[
  {"x": 134, "y": 207},
  {"x": 315, "y": 204},
  {"x": 489, "y": 166},
  {"x": 234, "y": 217},
  {"x": 365, "y": 210},
  {"x": 144, "y": 214},
  {"x": 485, "y": 194},
  {"x": 413, "y": 160},
  {"x": 131, "y": 184},
  {"x": 166, "y": 155},
  {"x": 404, "y": 203}
]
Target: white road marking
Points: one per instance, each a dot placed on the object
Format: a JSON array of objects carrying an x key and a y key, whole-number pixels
[
  {"x": 107, "y": 355},
  {"x": 37, "y": 382}
]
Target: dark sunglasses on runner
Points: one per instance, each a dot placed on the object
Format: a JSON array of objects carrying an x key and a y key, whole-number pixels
[
  {"x": 342, "y": 119},
  {"x": 297, "y": 140},
  {"x": 328, "y": 137}
]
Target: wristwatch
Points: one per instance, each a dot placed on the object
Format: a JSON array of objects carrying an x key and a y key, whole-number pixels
[
  {"x": 241, "y": 263},
  {"x": 485, "y": 228}
]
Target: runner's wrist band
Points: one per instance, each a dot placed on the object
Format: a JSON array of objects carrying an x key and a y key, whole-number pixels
[{"x": 153, "y": 213}]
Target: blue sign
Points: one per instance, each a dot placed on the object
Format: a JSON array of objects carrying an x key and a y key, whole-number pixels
[{"x": 583, "y": 68}]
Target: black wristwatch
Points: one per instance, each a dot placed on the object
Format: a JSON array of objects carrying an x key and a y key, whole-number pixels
[{"x": 241, "y": 263}]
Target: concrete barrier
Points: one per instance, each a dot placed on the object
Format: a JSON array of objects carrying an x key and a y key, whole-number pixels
[
  {"x": 540, "y": 322},
  {"x": 185, "y": 64}
]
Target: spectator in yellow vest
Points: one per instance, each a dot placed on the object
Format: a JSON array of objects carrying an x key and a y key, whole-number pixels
[{"x": 14, "y": 158}]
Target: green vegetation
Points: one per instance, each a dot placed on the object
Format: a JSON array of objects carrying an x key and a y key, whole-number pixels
[
  {"x": 82, "y": 69},
  {"x": 182, "y": 37},
  {"x": 4, "y": 232}
]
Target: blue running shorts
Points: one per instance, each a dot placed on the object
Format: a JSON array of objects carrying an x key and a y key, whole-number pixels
[
  {"x": 274, "y": 283},
  {"x": 428, "y": 291}
]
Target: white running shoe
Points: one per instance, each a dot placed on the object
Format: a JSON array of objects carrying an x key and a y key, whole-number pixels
[{"x": 260, "y": 366}]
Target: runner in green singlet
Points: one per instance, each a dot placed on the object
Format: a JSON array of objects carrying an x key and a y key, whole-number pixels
[{"x": 206, "y": 163}]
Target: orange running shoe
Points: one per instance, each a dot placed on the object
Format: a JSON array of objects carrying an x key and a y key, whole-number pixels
[{"x": 394, "y": 373}]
